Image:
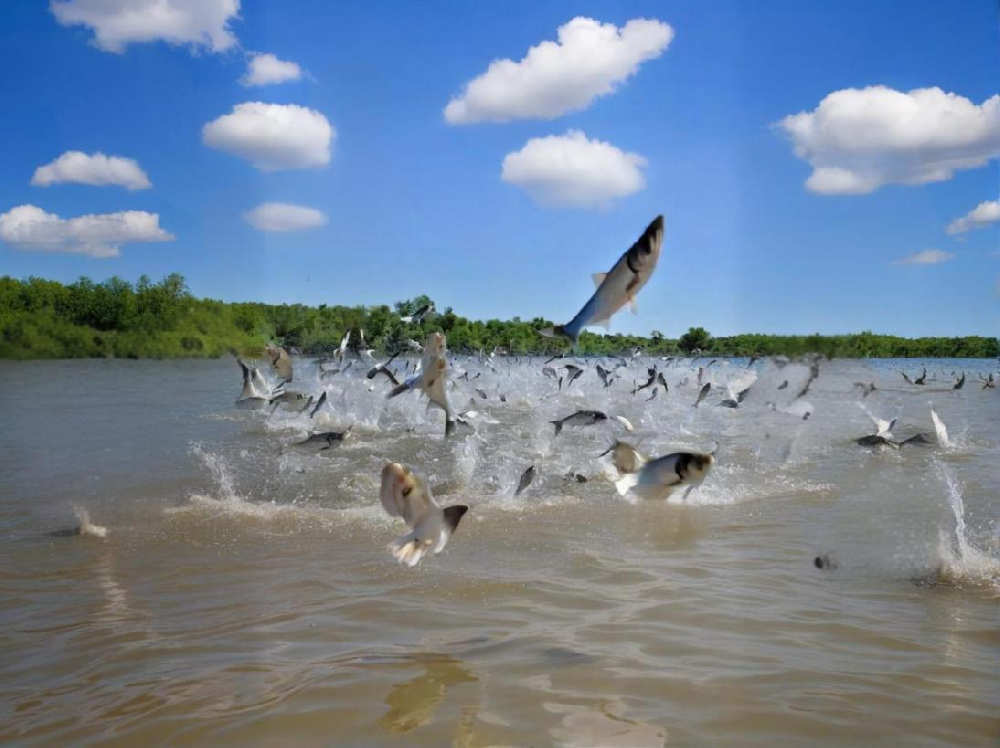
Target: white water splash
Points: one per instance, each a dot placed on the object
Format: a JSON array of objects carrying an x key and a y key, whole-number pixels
[
  {"x": 86, "y": 528},
  {"x": 219, "y": 469},
  {"x": 959, "y": 558}
]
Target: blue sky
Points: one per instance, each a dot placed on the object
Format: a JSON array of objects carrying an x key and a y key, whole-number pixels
[{"x": 414, "y": 204}]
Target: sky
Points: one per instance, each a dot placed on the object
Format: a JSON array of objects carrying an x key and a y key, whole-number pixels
[{"x": 822, "y": 167}]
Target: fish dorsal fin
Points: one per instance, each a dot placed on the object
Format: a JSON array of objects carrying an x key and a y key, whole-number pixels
[
  {"x": 598, "y": 279},
  {"x": 633, "y": 305}
]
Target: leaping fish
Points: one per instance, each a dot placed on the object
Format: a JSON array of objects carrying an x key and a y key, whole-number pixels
[
  {"x": 626, "y": 458},
  {"x": 418, "y": 316},
  {"x": 320, "y": 442},
  {"x": 574, "y": 373},
  {"x": 281, "y": 362},
  {"x": 703, "y": 393},
  {"x": 430, "y": 379},
  {"x": 657, "y": 478},
  {"x": 405, "y": 495},
  {"x": 381, "y": 368},
  {"x": 580, "y": 418},
  {"x": 617, "y": 287},
  {"x": 319, "y": 404},
  {"x": 251, "y": 398},
  {"x": 526, "y": 477}
]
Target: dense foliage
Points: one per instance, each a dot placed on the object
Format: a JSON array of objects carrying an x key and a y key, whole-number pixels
[{"x": 45, "y": 319}]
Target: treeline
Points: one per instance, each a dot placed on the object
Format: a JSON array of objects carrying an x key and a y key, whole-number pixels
[{"x": 46, "y": 319}]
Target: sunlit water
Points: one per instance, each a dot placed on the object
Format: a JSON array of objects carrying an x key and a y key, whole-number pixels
[{"x": 243, "y": 593}]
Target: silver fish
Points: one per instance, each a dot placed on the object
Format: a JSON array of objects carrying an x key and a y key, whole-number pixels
[
  {"x": 320, "y": 442},
  {"x": 280, "y": 361},
  {"x": 405, "y": 495},
  {"x": 657, "y": 478},
  {"x": 617, "y": 287},
  {"x": 418, "y": 316},
  {"x": 526, "y": 477},
  {"x": 626, "y": 458},
  {"x": 703, "y": 393},
  {"x": 580, "y": 418}
]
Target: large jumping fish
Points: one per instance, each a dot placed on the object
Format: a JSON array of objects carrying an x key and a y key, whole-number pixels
[
  {"x": 281, "y": 362},
  {"x": 430, "y": 379},
  {"x": 405, "y": 495},
  {"x": 617, "y": 287},
  {"x": 657, "y": 478}
]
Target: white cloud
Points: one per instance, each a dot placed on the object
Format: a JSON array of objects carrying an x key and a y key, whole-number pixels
[
  {"x": 589, "y": 60},
  {"x": 96, "y": 169},
  {"x": 284, "y": 217},
  {"x": 571, "y": 171},
  {"x": 265, "y": 69},
  {"x": 101, "y": 235},
  {"x": 927, "y": 257},
  {"x": 118, "y": 23},
  {"x": 273, "y": 136},
  {"x": 858, "y": 140},
  {"x": 980, "y": 217}
]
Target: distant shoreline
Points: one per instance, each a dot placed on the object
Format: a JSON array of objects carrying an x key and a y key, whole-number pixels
[{"x": 43, "y": 319}]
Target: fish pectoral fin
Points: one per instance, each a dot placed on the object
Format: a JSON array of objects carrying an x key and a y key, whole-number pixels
[
  {"x": 598, "y": 279},
  {"x": 633, "y": 305},
  {"x": 605, "y": 323}
]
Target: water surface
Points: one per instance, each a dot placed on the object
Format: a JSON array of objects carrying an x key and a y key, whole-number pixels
[{"x": 244, "y": 594}]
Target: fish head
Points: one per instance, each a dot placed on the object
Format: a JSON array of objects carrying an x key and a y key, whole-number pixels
[
  {"x": 647, "y": 249},
  {"x": 695, "y": 467},
  {"x": 398, "y": 482},
  {"x": 435, "y": 344}
]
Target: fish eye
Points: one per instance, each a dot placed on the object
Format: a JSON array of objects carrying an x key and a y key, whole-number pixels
[{"x": 407, "y": 490}]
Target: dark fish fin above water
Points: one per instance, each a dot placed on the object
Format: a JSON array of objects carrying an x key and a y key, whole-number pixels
[
  {"x": 69, "y": 532},
  {"x": 453, "y": 515}
]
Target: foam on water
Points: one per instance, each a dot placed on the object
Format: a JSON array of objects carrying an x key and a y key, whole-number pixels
[{"x": 86, "y": 528}]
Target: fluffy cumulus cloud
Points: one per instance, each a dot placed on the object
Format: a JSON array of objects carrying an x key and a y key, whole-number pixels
[
  {"x": 927, "y": 257},
  {"x": 284, "y": 217},
  {"x": 96, "y": 169},
  {"x": 858, "y": 140},
  {"x": 978, "y": 218},
  {"x": 266, "y": 69},
  {"x": 273, "y": 136},
  {"x": 589, "y": 60},
  {"x": 202, "y": 24},
  {"x": 573, "y": 171},
  {"x": 98, "y": 235}
]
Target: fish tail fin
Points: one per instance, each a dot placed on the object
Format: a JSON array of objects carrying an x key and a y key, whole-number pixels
[
  {"x": 561, "y": 331},
  {"x": 558, "y": 425},
  {"x": 407, "y": 550},
  {"x": 624, "y": 484}
]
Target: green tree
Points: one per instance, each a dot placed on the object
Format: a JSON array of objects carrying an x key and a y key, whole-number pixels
[{"x": 695, "y": 337}]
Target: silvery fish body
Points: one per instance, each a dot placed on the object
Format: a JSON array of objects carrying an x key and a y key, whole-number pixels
[
  {"x": 657, "y": 478},
  {"x": 580, "y": 418},
  {"x": 405, "y": 495},
  {"x": 617, "y": 287}
]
